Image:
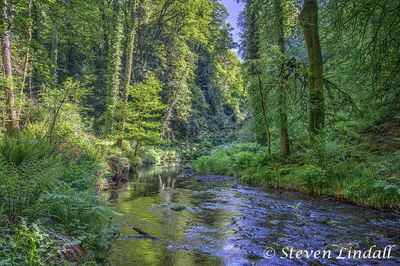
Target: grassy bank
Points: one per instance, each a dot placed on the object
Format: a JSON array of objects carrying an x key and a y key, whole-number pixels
[{"x": 346, "y": 172}]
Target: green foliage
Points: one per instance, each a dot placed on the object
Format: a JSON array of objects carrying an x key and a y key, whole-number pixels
[
  {"x": 188, "y": 93},
  {"x": 159, "y": 156},
  {"x": 227, "y": 159},
  {"x": 26, "y": 245},
  {"x": 145, "y": 111},
  {"x": 114, "y": 59},
  {"x": 242, "y": 160},
  {"x": 363, "y": 52},
  {"x": 314, "y": 178},
  {"x": 26, "y": 169},
  {"x": 40, "y": 185}
]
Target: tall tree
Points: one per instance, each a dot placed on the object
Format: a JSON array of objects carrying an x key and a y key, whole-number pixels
[
  {"x": 12, "y": 124},
  {"x": 129, "y": 47},
  {"x": 27, "y": 50},
  {"x": 309, "y": 23},
  {"x": 113, "y": 66},
  {"x": 282, "y": 105},
  {"x": 128, "y": 73},
  {"x": 257, "y": 91}
]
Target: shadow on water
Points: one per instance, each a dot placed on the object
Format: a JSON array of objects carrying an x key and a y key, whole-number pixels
[{"x": 171, "y": 220}]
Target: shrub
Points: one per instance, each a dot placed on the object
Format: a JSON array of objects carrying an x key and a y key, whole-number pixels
[
  {"x": 27, "y": 170},
  {"x": 242, "y": 160},
  {"x": 201, "y": 164},
  {"x": 313, "y": 177}
]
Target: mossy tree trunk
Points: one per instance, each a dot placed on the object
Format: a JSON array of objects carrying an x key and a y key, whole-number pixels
[
  {"x": 282, "y": 93},
  {"x": 259, "y": 95},
  {"x": 128, "y": 73},
  {"x": 113, "y": 67},
  {"x": 309, "y": 22}
]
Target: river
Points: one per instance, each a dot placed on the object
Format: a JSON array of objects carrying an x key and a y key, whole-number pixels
[{"x": 169, "y": 220}]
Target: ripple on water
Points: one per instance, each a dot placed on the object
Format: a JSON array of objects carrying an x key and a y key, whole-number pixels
[{"x": 221, "y": 224}]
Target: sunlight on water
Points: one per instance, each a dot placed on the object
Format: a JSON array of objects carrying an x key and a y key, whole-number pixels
[{"x": 169, "y": 220}]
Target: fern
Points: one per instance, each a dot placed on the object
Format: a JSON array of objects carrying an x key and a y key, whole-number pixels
[{"x": 41, "y": 186}]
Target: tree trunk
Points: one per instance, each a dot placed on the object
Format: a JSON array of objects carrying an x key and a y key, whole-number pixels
[
  {"x": 54, "y": 52},
  {"x": 12, "y": 124},
  {"x": 113, "y": 68},
  {"x": 262, "y": 129},
  {"x": 137, "y": 148},
  {"x": 282, "y": 92},
  {"x": 166, "y": 130},
  {"x": 264, "y": 113},
  {"x": 27, "y": 54},
  {"x": 128, "y": 67},
  {"x": 309, "y": 22},
  {"x": 130, "y": 43}
]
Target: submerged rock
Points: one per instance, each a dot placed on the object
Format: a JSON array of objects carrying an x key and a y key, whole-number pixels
[
  {"x": 178, "y": 208},
  {"x": 330, "y": 222}
]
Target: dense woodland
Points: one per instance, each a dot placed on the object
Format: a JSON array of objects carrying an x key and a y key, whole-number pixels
[{"x": 91, "y": 89}]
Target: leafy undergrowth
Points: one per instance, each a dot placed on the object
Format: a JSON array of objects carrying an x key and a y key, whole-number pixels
[
  {"x": 346, "y": 172},
  {"x": 145, "y": 156},
  {"x": 384, "y": 135},
  {"x": 49, "y": 209}
]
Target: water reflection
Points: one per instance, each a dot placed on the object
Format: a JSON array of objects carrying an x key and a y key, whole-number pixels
[{"x": 174, "y": 221}]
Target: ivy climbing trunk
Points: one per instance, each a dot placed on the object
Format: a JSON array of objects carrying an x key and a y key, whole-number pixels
[
  {"x": 282, "y": 87},
  {"x": 12, "y": 123},
  {"x": 113, "y": 67},
  {"x": 309, "y": 22},
  {"x": 258, "y": 95},
  {"x": 129, "y": 50}
]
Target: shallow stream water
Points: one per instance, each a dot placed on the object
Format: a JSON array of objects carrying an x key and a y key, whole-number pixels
[{"x": 169, "y": 220}]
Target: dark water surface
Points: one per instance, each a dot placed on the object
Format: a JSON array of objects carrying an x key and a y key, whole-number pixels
[{"x": 167, "y": 220}]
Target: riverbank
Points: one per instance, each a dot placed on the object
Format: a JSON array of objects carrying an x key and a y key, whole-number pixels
[
  {"x": 50, "y": 211},
  {"x": 50, "y": 205},
  {"x": 354, "y": 176}
]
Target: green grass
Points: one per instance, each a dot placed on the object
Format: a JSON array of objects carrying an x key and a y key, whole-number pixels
[{"x": 347, "y": 173}]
